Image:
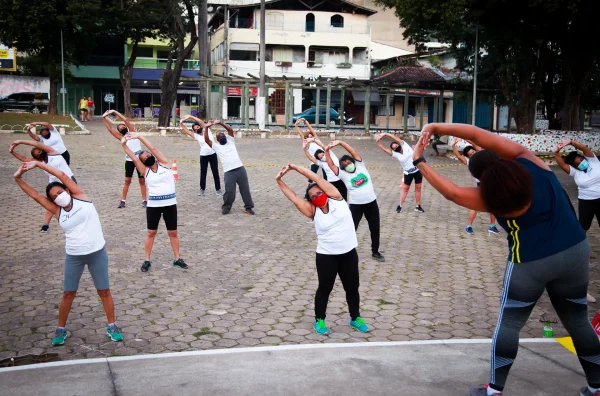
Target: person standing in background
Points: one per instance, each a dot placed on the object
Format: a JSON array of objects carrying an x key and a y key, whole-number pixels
[
  {"x": 83, "y": 108},
  {"x": 90, "y": 106}
]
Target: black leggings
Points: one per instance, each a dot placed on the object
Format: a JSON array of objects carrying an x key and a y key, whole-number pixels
[
  {"x": 67, "y": 157},
  {"x": 565, "y": 276},
  {"x": 214, "y": 167},
  {"x": 328, "y": 267},
  {"x": 588, "y": 209},
  {"x": 435, "y": 144},
  {"x": 341, "y": 186},
  {"x": 371, "y": 212}
]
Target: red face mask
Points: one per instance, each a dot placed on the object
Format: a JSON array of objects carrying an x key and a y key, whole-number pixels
[{"x": 320, "y": 200}]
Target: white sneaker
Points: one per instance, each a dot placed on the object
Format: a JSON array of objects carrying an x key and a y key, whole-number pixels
[
  {"x": 590, "y": 298},
  {"x": 201, "y": 193},
  {"x": 220, "y": 193}
]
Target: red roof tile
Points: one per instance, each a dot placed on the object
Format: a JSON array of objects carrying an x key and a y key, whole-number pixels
[{"x": 408, "y": 74}]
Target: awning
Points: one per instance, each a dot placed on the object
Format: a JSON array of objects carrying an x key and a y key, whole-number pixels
[
  {"x": 336, "y": 97},
  {"x": 359, "y": 98}
]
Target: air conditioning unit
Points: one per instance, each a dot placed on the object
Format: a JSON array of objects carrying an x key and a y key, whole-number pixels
[{"x": 283, "y": 64}]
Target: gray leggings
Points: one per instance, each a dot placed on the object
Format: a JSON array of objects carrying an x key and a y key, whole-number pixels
[
  {"x": 565, "y": 277},
  {"x": 237, "y": 176},
  {"x": 97, "y": 263}
]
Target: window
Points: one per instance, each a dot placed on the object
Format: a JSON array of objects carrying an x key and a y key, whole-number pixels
[
  {"x": 162, "y": 54},
  {"x": 337, "y": 21},
  {"x": 283, "y": 54},
  {"x": 145, "y": 52},
  {"x": 381, "y": 109},
  {"x": 310, "y": 22},
  {"x": 277, "y": 101},
  {"x": 334, "y": 57},
  {"x": 238, "y": 55},
  {"x": 274, "y": 21}
]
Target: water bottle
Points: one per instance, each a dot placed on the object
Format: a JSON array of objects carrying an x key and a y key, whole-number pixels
[{"x": 548, "y": 331}]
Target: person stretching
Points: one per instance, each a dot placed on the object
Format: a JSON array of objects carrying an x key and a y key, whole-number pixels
[
  {"x": 312, "y": 146},
  {"x": 361, "y": 194},
  {"x": 84, "y": 243},
  {"x": 234, "y": 170},
  {"x": 467, "y": 153},
  {"x": 400, "y": 150},
  {"x": 207, "y": 154},
  {"x": 50, "y": 137},
  {"x": 547, "y": 248},
  {"x": 162, "y": 199},
  {"x": 41, "y": 152},
  {"x": 319, "y": 159},
  {"x": 135, "y": 146},
  {"x": 336, "y": 243},
  {"x": 585, "y": 170}
]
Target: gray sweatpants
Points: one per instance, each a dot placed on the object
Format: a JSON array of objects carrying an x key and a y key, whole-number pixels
[{"x": 237, "y": 176}]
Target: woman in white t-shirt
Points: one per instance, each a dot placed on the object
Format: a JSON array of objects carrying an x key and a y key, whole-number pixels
[
  {"x": 207, "y": 154},
  {"x": 50, "y": 137},
  {"x": 319, "y": 159},
  {"x": 162, "y": 200},
  {"x": 400, "y": 150},
  {"x": 361, "y": 194},
  {"x": 312, "y": 146},
  {"x": 336, "y": 243},
  {"x": 585, "y": 170},
  {"x": 84, "y": 243}
]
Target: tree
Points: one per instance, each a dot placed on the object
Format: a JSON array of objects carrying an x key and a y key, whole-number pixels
[{"x": 177, "y": 26}]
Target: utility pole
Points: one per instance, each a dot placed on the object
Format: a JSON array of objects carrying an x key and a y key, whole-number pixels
[
  {"x": 203, "y": 54},
  {"x": 62, "y": 62},
  {"x": 474, "y": 107},
  {"x": 260, "y": 112}
]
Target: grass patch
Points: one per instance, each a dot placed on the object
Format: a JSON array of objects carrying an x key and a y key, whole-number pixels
[
  {"x": 246, "y": 288},
  {"x": 204, "y": 331},
  {"x": 381, "y": 301},
  {"x": 26, "y": 118},
  {"x": 152, "y": 296}
]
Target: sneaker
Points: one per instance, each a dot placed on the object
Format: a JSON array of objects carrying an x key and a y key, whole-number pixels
[
  {"x": 220, "y": 193},
  {"x": 45, "y": 228},
  {"x": 320, "y": 327},
  {"x": 398, "y": 209},
  {"x": 201, "y": 193},
  {"x": 121, "y": 204},
  {"x": 225, "y": 211},
  {"x": 145, "y": 204},
  {"x": 419, "y": 209},
  {"x": 359, "y": 325},
  {"x": 114, "y": 333},
  {"x": 60, "y": 335},
  {"x": 590, "y": 298},
  {"x": 146, "y": 266},
  {"x": 481, "y": 391},
  {"x": 180, "y": 263},
  {"x": 493, "y": 230},
  {"x": 378, "y": 256},
  {"x": 469, "y": 230},
  {"x": 249, "y": 211},
  {"x": 585, "y": 391}
]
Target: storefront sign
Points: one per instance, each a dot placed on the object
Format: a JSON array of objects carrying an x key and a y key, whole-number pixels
[{"x": 237, "y": 91}]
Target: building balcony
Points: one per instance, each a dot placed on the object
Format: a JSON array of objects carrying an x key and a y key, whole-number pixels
[
  {"x": 308, "y": 27},
  {"x": 304, "y": 69},
  {"x": 161, "y": 63}
]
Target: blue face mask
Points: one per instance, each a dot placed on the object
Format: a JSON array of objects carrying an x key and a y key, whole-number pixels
[
  {"x": 223, "y": 141},
  {"x": 583, "y": 165}
]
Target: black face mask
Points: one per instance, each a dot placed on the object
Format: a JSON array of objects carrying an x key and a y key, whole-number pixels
[
  {"x": 398, "y": 149},
  {"x": 150, "y": 161},
  {"x": 43, "y": 156},
  {"x": 124, "y": 131},
  {"x": 223, "y": 141},
  {"x": 45, "y": 135}
]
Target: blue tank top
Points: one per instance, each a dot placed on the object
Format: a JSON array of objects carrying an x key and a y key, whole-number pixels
[{"x": 548, "y": 227}]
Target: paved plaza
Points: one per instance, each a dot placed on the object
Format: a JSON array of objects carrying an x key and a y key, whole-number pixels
[{"x": 252, "y": 279}]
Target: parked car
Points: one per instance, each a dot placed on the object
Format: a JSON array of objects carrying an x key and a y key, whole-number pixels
[
  {"x": 310, "y": 115},
  {"x": 32, "y": 102}
]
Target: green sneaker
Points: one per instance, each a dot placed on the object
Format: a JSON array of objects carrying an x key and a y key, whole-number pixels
[
  {"x": 359, "y": 325},
  {"x": 60, "y": 335},
  {"x": 320, "y": 327},
  {"x": 114, "y": 333}
]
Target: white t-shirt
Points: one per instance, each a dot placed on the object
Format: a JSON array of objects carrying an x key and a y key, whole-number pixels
[
  {"x": 227, "y": 154},
  {"x": 312, "y": 148},
  {"x": 55, "y": 141},
  {"x": 589, "y": 181},
  {"x": 406, "y": 159},
  {"x": 57, "y": 161},
  {"x": 476, "y": 179},
  {"x": 205, "y": 148},
  {"x": 83, "y": 231},
  {"x": 331, "y": 177},
  {"x": 161, "y": 187},
  {"x": 135, "y": 146},
  {"x": 335, "y": 229},
  {"x": 359, "y": 184}
]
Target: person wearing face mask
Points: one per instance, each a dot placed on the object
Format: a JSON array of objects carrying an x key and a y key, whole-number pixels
[
  {"x": 312, "y": 146},
  {"x": 207, "y": 154},
  {"x": 162, "y": 201},
  {"x": 400, "y": 150},
  {"x": 361, "y": 193},
  {"x": 319, "y": 159},
  {"x": 50, "y": 137},
  {"x": 585, "y": 170},
  {"x": 336, "y": 244},
  {"x": 135, "y": 146},
  {"x": 84, "y": 243},
  {"x": 234, "y": 170},
  {"x": 41, "y": 152}
]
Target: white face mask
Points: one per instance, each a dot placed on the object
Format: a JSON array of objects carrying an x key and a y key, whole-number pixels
[{"x": 63, "y": 199}]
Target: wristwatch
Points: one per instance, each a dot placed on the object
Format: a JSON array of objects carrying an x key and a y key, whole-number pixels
[{"x": 418, "y": 161}]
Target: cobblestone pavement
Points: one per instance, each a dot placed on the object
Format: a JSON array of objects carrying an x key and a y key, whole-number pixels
[{"x": 251, "y": 279}]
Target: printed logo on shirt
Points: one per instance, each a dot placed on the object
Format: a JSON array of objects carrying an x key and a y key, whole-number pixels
[
  {"x": 359, "y": 180},
  {"x": 66, "y": 216}
]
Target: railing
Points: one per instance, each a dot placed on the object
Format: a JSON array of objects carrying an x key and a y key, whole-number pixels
[
  {"x": 240, "y": 23},
  {"x": 161, "y": 63}
]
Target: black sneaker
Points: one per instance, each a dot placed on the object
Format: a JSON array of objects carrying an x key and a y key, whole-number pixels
[
  {"x": 225, "y": 211},
  {"x": 121, "y": 204},
  {"x": 180, "y": 263},
  {"x": 419, "y": 209},
  {"x": 398, "y": 209},
  {"x": 249, "y": 211},
  {"x": 378, "y": 256},
  {"x": 145, "y": 204},
  {"x": 45, "y": 228},
  {"x": 146, "y": 266}
]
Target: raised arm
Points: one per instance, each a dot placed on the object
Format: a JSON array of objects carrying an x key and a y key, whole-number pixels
[
  {"x": 323, "y": 184},
  {"x": 33, "y": 135},
  {"x": 559, "y": 159},
  {"x": 585, "y": 149},
  {"x": 205, "y": 134},
  {"x": 487, "y": 140},
  {"x": 349, "y": 149},
  {"x": 38, "y": 145},
  {"x": 109, "y": 127},
  {"x": 334, "y": 168},
  {"x": 297, "y": 126},
  {"x": 124, "y": 119},
  {"x": 139, "y": 165},
  {"x": 311, "y": 131},
  {"x": 381, "y": 146},
  {"x": 185, "y": 129},
  {"x": 460, "y": 157},
  {"x": 311, "y": 158},
  {"x": 18, "y": 156},
  {"x": 32, "y": 192},
  {"x": 392, "y": 137},
  {"x": 64, "y": 179},
  {"x": 160, "y": 157},
  {"x": 46, "y": 124},
  {"x": 224, "y": 125},
  {"x": 305, "y": 207}
]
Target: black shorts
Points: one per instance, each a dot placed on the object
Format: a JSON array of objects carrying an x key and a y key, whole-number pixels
[
  {"x": 67, "y": 157},
  {"x": 417, "y": 177},
  {"x": 588, "y": 208},
  {"x": 129, "y": 168},
  {"x": 169, "y": 213}
]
